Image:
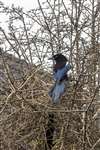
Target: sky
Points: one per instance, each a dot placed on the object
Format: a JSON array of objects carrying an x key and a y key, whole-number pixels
[{"x": 27, "y": 4}]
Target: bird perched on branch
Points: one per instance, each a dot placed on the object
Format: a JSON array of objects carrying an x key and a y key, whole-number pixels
[{"x": 60, "y": 75}]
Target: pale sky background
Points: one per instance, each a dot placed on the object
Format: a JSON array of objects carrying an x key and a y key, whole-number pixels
[{"x": 27, "y": 4}]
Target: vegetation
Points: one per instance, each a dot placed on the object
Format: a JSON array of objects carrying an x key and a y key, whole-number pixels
[{"x": 29, "y": 39}]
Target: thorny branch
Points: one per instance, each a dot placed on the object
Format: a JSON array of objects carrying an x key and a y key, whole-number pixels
[{"x": 56, "y": 26}]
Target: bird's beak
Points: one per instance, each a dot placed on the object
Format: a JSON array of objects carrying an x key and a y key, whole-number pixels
[{"x": 51, "y": 58}]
